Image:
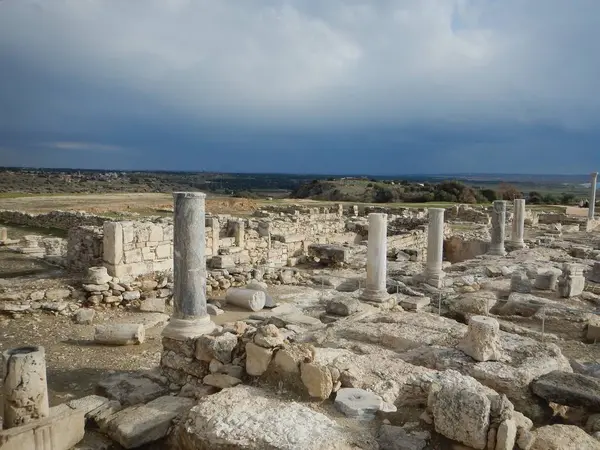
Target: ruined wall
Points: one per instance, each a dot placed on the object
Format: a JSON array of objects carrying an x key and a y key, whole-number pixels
[
  {"x": 62, "y": 220},
  {"x": 84, "y": 247}
]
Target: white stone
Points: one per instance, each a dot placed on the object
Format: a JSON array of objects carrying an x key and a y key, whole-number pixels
[
  {"x": 592, "y": 201},
  {"x": 246, "y": 298},
  {"x": 357, "y": 403},
  {"x": 482, "y": 341},
  {"x": 84, "y": 316},
  {"x": 25, "y": 387},
  {"x": 498, "y": 228},
  {"x": 434, "y": 274},
  {"x": 376, "y": 290},
  {"x": 153, "y": 304},
  {"x": 97, "y": 275},
  {"x": 120, "y": 334},
  {"x": 317, "y": 380},
  {"x": 518, "y": 225},
  {"x": 506, "y": 435},
  {"x": 257, "y": 359}
]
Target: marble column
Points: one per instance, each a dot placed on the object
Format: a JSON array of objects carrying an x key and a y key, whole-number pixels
[
  {"x": 376, "y": 290},
  {"x": 434, "y": 274},
  {"x": 498, "y": 228},
  {"x": 518, "y": 225},
  {"x": 594, "y": 182},
  {"x": 190, "y": 318}
]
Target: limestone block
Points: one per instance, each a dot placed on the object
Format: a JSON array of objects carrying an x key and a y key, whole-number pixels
[
  {"x": 133, "y": 256},
  {"x": 164, "y": 251},
  {"x": 519, "y": 282},
  {"x": 84, "y": 316},
  {"x": 61, "y": 430},
  {"x": 343, "y": 306},
  {"x": 289, "y": 358},
  {"x": 397, "y": 438},
  {"x": 506, "y": 435},
  {"x": 216, "y": 347},
  {"x": 570, "y": 389},
  {"x": 482, "y": 341},
  {"x": 120, "y": 334},
  {"x": 88, "y": 404},
  {"x": 268, "y": 336},
  {"x": 131, "y": 389},
  {"x": 221, "y": 380},
  {"x": 461, "y": 409},
  {"x": 153, "y": 305},
  {"x": 97, "y": 275},
  {"x": 246, "y": 298},
  {"x": 560, "y": 437},
  {"x": 414, "y": 303},
  {"x": 139, "y": 425},
  {"x": 113, "y": 242},
  {"x": 245, "y": 417},
  {"x": 317, "y": 380},
  {"x": 547, "y": 280},
  {"x": 257, "y": 359},
  {"x": 25, "y": 387},
  {"x": 358, "y": 403}
]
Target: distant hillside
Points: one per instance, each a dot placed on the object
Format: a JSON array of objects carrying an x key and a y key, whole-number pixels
[{"x": 377, "y": 191}]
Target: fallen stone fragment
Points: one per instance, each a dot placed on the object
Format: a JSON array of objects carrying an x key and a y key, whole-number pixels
[
  {"x": 559, "y": 437},
  {"x": 214, "y": 310},
  {"x": 519, "y": 282},
  {"x": 216, "y": 347},
  {"x": 129, "y": 296},
  {"x": 139, "y": 425},
  {"x": 414, "y": 303},
  {"x": 221, "y": 380},
  {"x": 246, "y": 298},
  {"x": 261, "y": 286},
  {"x": 249, "y": 418},
  {"x": 257, "y": 359},
  {"x": 153, "y": 305},
  {"x": 343, "y": 306},
  {"x": 506, "y": 435},
  {"x": 97, "y": 275},
  {"x": 61, "y": 430},
  {"x": 268, "y": 336},
  {"x": 55, "y": 295},
  {"x": 84, "y": 316},
  {"x": 317, "y": 380},
  {"x": 120, "y": 334},
  {"x": 357, "y": 403},
  {"x": 482, "y": 341},
  {"x": 570, "y": 389},
  {"x": 130, "y": 389},
  {"x": 88, "y": 404}
]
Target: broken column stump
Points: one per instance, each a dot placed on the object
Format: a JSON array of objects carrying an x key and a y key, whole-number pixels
[
  {"x": 25, "y": 386},
  {"x": 120, "y": 334}
]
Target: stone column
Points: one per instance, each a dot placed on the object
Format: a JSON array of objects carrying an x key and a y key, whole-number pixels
[
  {"x": 3, "y": 234},
  {"x": 239, "y": 233},
  {"x": 498, "y": 228},
  {"x": 376, "y": 290},
  {"x": 592, "y": 208},
  {"x": 25, "y": 386},
  {"x": 518, "y": 225},
  {"x": 190, "y": 318},
  {"x": 434, "y": 274}
]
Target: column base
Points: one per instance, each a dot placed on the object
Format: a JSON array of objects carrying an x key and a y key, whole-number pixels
[
  {"x": 434, "y": 280},
  {"x": 183, "y": 329},
  {"x": 375, "y": 296},
  {"x": 497, "y": 251},
  {"x": 517, "y": 245}
]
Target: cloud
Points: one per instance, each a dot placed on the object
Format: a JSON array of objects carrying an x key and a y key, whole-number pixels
[
  {"x": 85, "y": 146},
  {"x": 82, "y": 70}
]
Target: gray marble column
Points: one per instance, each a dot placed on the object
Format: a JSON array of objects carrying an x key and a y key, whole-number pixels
[
  {"x": 190, "y": 318},
  {"x": 498, "y": 228},
  {"x": 592, "y": 208},
  {"x": 434, "y": 274},
  {"x": 518, "y": 225},
  {"x": 376, "y": 289}
]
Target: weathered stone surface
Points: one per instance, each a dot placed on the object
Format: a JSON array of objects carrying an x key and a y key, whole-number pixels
[
  {"x": 139, "y": 425},
  {"x": 343, "y": 306},
  {"x": 153, "y": 305},
  {"x": 95, "y": 287},
  {"x": 84, "y": 316},
  {"x": 547, "y": 280},
  {"x": 268, "y": 336},
  {"x": 475, "y": 303},
  {"x": 216, "y": 347},
  {"x": 288, "y": 359},
  {"x": 97, "y": 275},
  {"x": 61, "y": 430},
  {"x": 482, "y": 341},
  {"x": 221, "y": 380},
  {"x": 54, "y": 295},
  {"x": 358, "y": 403},
  {"x": 317, "y": 379},
  {"x": 257, "y": 359},
  {"x": 249, "y": 418},
  {"x": 506, "y": 435},
  {"x": 519, "y": 282},
  {"x": 397, "y": 438},
  {"x": 414, "y": 303},
  {"x": 461, "y": 409},
  {"x": 130, "y": 389},
  {"x": 561, "y": 437},
  {"x": 570, "y": 389},
  {"x": 88, "y": 404},
  {"x": 129, "y": 296},
  {"x": 214, "y": 310}
]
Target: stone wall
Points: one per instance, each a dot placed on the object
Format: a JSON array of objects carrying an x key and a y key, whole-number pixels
[
  {"x": 62, "y": 220},
  {"x": 84, "y": 247}
]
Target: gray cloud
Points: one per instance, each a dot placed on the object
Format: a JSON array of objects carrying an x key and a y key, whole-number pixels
[{"x": 340, "y": 61}]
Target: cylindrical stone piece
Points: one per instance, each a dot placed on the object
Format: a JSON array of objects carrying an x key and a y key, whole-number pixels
[
  {"x": 435, "y": 247},
  {"x": 498, "y": 228},
  {"x": 246, "y": 298},
  {"x": 97, "y": 275},
  {"x": 518, "y": 225},
  {"x": 482, "y": 342},
  {"x": 3, "y": 234},
  {"x": 519, "y": 282},
  {"x": 594, "y": 184},
  {"x": 120, "y": 334},
  {"x": 25, "y": 386},
  {"x": 375, "y": 290},
  {"x": 190, "y": 317}
]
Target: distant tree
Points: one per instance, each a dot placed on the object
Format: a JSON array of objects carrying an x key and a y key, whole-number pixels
[
  {"x": 567, "y": 198},
  {"x": 489, "y": 194},
  {"x": 535, "y": 198},
  {"x": 509, "y": 192},
  {"x": 550, "y": 199}
]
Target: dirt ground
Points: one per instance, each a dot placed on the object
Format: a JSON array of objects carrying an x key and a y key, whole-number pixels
[{"x": 144, "y": 203}]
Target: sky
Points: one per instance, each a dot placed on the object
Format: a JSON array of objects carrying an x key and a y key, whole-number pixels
[{"x": 301, "y": 86}]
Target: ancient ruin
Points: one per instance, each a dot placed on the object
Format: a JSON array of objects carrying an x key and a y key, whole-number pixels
[{"x": 338, "y": 327}]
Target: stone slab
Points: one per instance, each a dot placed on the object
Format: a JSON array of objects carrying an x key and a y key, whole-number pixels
[
  {"x": 570, "y": 389},
  {"x": 64, "y": 428}
]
